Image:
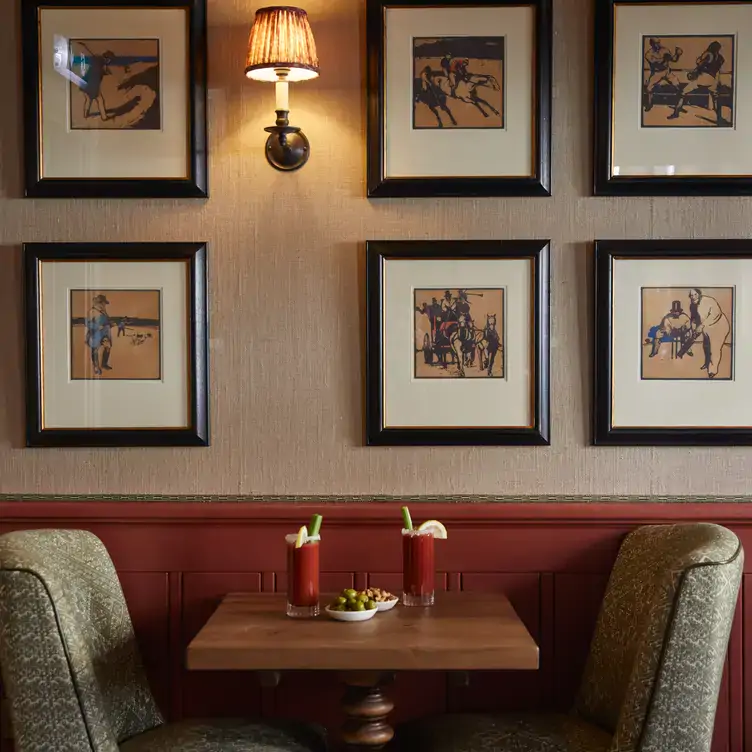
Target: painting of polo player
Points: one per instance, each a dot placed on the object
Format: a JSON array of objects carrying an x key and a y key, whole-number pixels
[{"x": 97, "y": 353}]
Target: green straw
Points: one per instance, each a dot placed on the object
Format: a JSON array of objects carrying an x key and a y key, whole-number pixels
[
  {"x": 407, "y": 519},
  {"x": 315, "y": 526}
]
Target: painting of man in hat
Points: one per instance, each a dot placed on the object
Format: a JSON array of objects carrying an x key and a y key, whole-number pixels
[
  {"x": 684, "y": 338},
  {"x": 135, "y": 353},
  {"x": 673, "y": 326},
  {"x": 99, "y": 334}
]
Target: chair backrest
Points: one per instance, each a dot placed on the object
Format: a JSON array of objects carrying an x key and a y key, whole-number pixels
[
  {"x": 69, "y": 659},
  {"x": 657, "y": 656}
]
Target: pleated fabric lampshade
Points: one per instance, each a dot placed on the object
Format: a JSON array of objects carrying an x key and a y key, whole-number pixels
[{"x": 281, "y": 38}]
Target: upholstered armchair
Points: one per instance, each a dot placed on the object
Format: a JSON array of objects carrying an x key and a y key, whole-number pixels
[
  {"x": 71, "y": 667},
  {"x": 652, "y": 678}
]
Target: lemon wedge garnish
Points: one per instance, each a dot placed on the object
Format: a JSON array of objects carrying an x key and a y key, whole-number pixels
[
  {"x": 435, "y": 527},
  {"x": 302, "y": 537}
]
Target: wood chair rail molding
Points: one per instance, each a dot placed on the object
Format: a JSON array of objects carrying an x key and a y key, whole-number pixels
[{"x": 177, "y": 557}]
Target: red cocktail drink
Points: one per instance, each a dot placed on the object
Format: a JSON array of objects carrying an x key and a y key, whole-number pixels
[
  {"x": 302, "y": 578},
  {"x": 418, "y": 568}
]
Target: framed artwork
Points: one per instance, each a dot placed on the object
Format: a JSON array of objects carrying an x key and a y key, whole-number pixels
[
  {"x": 673, "y": 342},
  {"x": 673, "y": 104},
  {"x": 117, "y": 344},
  {"x": 115, "y": 98},
  {"x": 459, "y": 98},
  {"x": 457, "y": 342}
]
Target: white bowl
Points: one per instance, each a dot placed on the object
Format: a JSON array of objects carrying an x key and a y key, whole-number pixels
[
  {"x": 351, "y": 615},
  {"x": 386, "y": 605}
]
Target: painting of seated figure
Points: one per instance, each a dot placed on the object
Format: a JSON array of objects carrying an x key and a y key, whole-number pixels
[{"x": 687, "y": 333}]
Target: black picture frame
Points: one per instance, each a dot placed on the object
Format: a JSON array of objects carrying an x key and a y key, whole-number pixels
[
  {"x": 605, "y": 184},
  {"x": 195, "y": 185},
  {"x": 603, "y": 431},
  {"x": 381, "y": 186},
  {"x": 538, "y": 251},
  {"x": 197, "y": 432}
]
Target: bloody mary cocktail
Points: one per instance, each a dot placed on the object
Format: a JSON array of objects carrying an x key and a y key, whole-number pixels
[
  {"x": 418, "y": 568},
  {"x": 302, "y": 578}
]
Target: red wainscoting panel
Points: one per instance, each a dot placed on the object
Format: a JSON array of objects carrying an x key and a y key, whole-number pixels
[
  {"x": 513, "y": 690},
  {"x": 214, "y": 693},
  {"x": 177, "y": 560},
  {"x": 577, "y": 598},
  {"x": 148, "y": 601}
]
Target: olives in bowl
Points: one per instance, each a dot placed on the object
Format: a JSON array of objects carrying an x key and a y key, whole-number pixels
[{"x": 352, "y": 605}]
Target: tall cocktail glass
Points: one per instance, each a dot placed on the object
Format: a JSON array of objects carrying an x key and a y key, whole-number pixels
[
  {"x": 418, "y": 568},
  {"x": 302, "y": 577}
]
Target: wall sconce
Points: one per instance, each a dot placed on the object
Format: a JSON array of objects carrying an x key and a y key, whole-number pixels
[{"x": 281, "y": 49}]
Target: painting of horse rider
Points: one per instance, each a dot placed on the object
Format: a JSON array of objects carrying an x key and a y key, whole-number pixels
[
  {"x": 459, "y": 333},
  {"x": 458, "y": 82},
  {"x": 115, "y": 334},
  {"x": 687, "y": 333}
]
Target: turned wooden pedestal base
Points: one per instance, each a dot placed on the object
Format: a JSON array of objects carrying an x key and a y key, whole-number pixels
[{"x": 366, "y": 708}]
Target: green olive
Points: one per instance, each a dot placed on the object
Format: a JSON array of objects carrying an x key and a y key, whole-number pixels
[
  {"x": 371, "y": 605},
  {"x": 349, "y": 593},
  {"x": 338, "y": 607},
  {"x": 363, "y": 597},
  {"x": 341, "y": 600},
  {"x": 360, "y": 606}
]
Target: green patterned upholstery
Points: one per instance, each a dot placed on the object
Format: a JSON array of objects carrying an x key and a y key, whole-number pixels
[
  {"x": 500, "y": 733},
  {"x": 652, "y": 678},
  {"x": 71, "y": 667},
  {"x": 228, "y": 736}
]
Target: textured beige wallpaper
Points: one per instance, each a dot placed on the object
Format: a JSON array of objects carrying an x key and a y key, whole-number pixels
[{"x": 287, "y": 301}]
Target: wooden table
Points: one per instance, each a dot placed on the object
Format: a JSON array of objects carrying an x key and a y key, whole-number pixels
[{"x": 463, "y": 631}]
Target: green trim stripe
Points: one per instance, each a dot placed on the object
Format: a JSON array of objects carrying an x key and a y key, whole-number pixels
[{"x": 300, "y": 499}]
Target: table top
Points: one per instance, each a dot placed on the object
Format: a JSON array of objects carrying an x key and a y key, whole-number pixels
[{"x": 463, "y": 631}]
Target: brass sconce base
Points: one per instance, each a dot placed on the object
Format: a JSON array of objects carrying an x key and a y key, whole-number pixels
[{"x": 287, "y": 148}]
